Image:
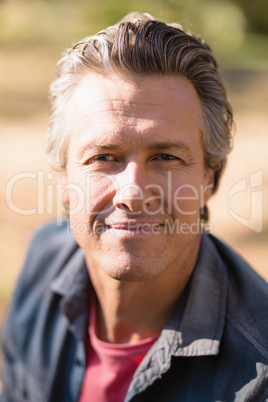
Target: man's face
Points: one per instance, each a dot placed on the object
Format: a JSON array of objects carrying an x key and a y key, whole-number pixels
[{"x": 135, "y": 174}]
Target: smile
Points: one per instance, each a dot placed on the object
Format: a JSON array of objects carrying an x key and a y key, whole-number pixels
[
  {"x": 133, "y": 226},
  {"x": 125, "y": 229}
]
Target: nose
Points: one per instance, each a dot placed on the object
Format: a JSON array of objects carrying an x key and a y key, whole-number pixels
[{"x": 133, "y": 193}]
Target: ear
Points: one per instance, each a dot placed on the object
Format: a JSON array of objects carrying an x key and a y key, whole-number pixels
[
  {"x": 62, "y": 181},
  {"x": 208, "y": 186}
]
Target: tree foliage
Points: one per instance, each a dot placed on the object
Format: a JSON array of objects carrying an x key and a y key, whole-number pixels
[{"x": 59, "y": 21}]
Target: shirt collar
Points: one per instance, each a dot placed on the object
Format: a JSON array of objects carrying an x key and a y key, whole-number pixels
[
  {"x": 202, "y": 324},
  {"x": 73, "y": 285},
  {"x": 196, "y": 327},
  {"x": 73, "y": 271}
]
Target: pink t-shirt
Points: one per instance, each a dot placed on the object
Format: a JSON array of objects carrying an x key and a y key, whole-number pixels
[{"x": 110, "y": 366}]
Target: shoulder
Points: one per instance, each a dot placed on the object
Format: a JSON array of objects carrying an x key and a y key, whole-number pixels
[
  {"x": 247, "y": 300},
  {"x": 34, "y": 311},
  {"x": 50, "y": 242},
  {"x": 51, "y": 236},
  {"x": 49, "y": 250}
]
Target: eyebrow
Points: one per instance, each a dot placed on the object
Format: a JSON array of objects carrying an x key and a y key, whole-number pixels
[
  {"x": 99, "y": 147},
  {"x": 168, "y": 145},
  {"x": 155, "y": 145}
]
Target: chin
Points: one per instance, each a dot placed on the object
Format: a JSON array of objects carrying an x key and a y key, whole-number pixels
[{"x": 131, "y": 271}]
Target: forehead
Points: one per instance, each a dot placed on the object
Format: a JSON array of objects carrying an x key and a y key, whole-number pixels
[{"x": 103, "y": 105}]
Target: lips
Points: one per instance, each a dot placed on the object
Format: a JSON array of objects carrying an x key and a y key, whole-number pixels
[{"x": 133, "y": 225}]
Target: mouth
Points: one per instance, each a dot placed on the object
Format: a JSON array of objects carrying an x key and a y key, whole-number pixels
[{"x": 133, "y": 228}]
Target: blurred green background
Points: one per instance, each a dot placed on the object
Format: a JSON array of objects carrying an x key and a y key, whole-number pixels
[
  {"x": 33, "y": 35},
  {"x": 35, "y": 32},
  {"x": 235, "y": 28}
]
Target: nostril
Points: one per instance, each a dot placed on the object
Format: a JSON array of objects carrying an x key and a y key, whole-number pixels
[{"x": 130, "y": 208}]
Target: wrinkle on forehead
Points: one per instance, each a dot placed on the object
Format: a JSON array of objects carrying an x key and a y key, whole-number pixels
[
  {"x": 103, "y": 108},
  {"x": 127, "y": 111},
  {"x": 143, "y": 117},
  {"x": 96, "y": 93},
  {"x": 128, "y": 107}
]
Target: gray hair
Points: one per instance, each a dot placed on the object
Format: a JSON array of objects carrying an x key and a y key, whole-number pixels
[{"x": 137, "y": 47}]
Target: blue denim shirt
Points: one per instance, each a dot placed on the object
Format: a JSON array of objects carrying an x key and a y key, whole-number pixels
[{"x": 214, "y": 347}]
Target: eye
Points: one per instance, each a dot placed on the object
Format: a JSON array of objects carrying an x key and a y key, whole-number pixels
[
  {"x": 105, "y": 157},
  {"x": 166, "y": 157},
  {"x": 102, "y": 158}
]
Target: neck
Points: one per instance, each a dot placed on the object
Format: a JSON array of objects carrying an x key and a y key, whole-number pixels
[{"x": 127, "y": 312}]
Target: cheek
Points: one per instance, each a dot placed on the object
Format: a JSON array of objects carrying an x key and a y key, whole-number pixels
[
  {"x": 187, "y": 199},
  {"x": 91, "y": 195}
]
